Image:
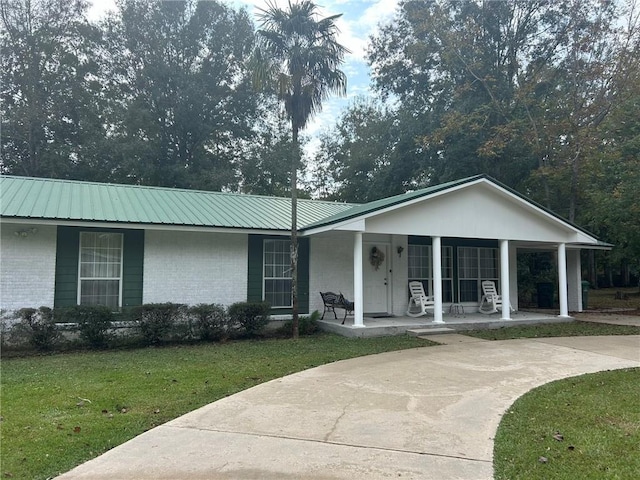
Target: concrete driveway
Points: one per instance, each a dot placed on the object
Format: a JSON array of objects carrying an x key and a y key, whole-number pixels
[{"x": 427, "y": 413}]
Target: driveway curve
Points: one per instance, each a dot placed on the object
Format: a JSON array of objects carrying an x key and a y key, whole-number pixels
[{"x": 427, "y": 413}]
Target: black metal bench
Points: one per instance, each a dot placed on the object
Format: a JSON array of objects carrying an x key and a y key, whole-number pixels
[{"x": 332, "y": 301}]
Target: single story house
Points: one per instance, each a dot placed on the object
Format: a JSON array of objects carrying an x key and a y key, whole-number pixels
[{"x": 69, "y": 242}]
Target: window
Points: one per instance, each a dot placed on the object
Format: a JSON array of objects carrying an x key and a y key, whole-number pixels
[
  {"x": 100, "y": 269},
  {"x": 420, "y": 261},
  {"x": 474, "y": 266},
  {"x": 277, "y": 273}
]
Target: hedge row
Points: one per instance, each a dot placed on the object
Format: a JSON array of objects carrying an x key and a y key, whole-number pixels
[{"x": 152, "y": 324}]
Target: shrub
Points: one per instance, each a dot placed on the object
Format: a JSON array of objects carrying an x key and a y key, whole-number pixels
[
  {"x": 7, "y": 322},
  {"x": 211, "y": 321},
  {"x": 306, "y": 325},
  {"x": 156, "y": 321},
  {"x": 94, "y": 323},
  {"x": 39, "y": 327},
  {"x": 251, "y": 317}
]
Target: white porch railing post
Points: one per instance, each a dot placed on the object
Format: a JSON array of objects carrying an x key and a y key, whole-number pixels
[
  {"x": 562, "y": 280},
  {"x": 437, "y": 279},
  {"x": 505, "y": 285},
  {"x": 358, "y": 310}
]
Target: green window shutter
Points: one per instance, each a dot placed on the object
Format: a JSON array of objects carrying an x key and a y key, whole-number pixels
[
  {"x": 303, "y": 275},
  {"x": 254, "y": 281},
  {"x": 132, "y": 268},
  {"x": 67, "y": 254},
  {"x": 66, "y": 278},
  {"x": 255, "y": 272}
]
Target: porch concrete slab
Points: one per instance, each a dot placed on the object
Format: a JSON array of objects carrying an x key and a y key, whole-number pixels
[
  {"x": 400, "y": 325},
  {"x": 424, "y": 413}
]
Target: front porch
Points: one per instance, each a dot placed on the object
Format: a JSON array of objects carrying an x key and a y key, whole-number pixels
[{"x": 376, "y": 326}]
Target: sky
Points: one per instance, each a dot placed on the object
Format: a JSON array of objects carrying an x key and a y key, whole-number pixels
[{"x": 360, "y": 19}]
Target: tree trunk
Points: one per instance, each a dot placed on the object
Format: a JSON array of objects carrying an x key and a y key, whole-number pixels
[{"x": 294, "y": 233}]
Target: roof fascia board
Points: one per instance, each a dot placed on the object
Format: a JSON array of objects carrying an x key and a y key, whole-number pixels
[
  {"x": 552, "y": 246},
  {"x": 140, "y": 226},
  {"x": 358, "y": 225}
]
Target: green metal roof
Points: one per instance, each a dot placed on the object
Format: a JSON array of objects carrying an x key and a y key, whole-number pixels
[
  {"x": 41, "y": 198},
  {"x": 49, "y": 199}
]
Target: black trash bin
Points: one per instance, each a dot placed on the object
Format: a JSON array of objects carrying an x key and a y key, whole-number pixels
[
  {"x": 545, "y": 295},
  {"x": 585, "y": 294}
]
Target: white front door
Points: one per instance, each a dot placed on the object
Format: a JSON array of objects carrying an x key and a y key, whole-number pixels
[{"x": 376, "y": 278}]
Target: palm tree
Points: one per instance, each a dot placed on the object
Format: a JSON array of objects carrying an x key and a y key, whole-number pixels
[{"x": 298, "y": 57}]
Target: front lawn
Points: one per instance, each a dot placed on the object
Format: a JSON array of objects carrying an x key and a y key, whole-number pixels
[
  {"x": 61, "y": 410},
  {"x": 564, "y": 329},
  {"x": 614, "y": 298},
  {"x": 586, "y": 427}
]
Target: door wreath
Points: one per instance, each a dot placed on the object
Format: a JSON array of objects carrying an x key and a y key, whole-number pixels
[{"x": 376, "y": 257}]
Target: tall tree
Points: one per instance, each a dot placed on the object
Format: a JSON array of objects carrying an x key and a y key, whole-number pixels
[
  {"x": 182, "y": 97},
  {"x": 298, "y": 57},
  {"x": 583, "y": 82},
  {"x": 265, "y": 166},
  {"x": 456, "y": 68},
  {"x": 370, "y": 154},
  {"x": 50, "y": 88}
]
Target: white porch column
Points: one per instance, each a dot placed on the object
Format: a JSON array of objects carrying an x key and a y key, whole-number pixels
[
  {"x": 436, "y": 248},
  {"x": 358, "y": 310},
  {"x": 562, "y": 280},
  {"x": 504, "y": 280},
  {"x": 574, "y": 281},
  {"x": 513, "y": 275}
]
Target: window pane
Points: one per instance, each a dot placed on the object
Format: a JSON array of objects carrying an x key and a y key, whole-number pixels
[
  {"x": 419, "y": 260},
  {"x": 278, "y": 292},
  {"x": 468, "y": 290},
  {"x": 277, "y": 272},
  {"x": 100, "y": 292},
  {"x": 488, "y": 263},
  {"x": 100, "y": 268},
  {"x": 475, "y": 265},
  {"x": 468, "y": 262}
]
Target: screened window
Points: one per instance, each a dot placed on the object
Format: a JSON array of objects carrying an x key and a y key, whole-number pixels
[
  {"x": 420, "y": 261},
  {"x": 100, "y": 269},
  {"x": 474, "y": 266},
  {"x": 277, "y": 273}
]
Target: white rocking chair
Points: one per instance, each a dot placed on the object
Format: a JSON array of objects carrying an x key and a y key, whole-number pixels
[
  {"x": 420, "y": 300},
  {"x": 491, "y": 302}
]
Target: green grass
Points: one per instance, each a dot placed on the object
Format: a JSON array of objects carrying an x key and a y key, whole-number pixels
[
  {"x": 564, "y": 329},
  {"x": 605, "y": 298},
  {"x": 598, "y": 416},
  {"x": 61, "y": 410}
]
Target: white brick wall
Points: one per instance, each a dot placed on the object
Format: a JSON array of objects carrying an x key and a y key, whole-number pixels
[
  {"x": 193, "y": 267},
  {"x": 330, "y": 267},
  {"x": 27, "y": 266}
]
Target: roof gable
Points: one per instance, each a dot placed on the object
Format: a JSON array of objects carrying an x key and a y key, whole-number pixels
[{"x": 474, "y": 207}]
